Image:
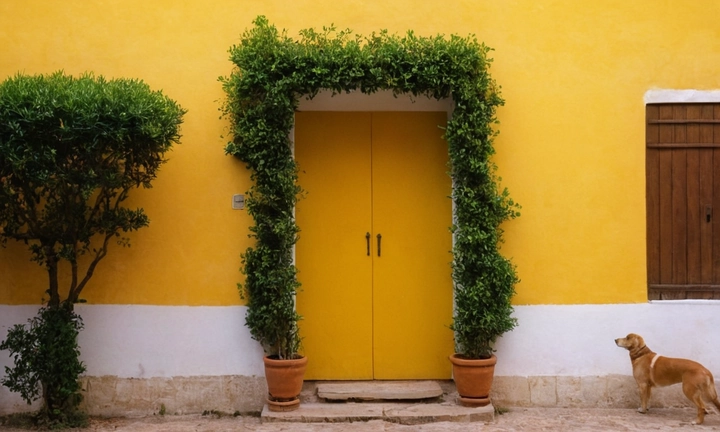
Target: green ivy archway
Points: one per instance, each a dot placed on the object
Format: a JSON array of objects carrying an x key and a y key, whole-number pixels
[{"x": 273, "y": 71}]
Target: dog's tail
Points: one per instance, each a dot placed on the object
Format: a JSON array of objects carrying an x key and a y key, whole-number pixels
[
  {"x": 712, "y": 394},
  {"x": 715, "y": 400}
]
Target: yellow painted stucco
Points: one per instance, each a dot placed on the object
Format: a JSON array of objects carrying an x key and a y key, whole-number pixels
[{"x": 571, "y": 147}]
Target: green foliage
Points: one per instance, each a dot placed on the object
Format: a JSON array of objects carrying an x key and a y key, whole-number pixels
[
  {"x": 273, "y": 71},
  {"x": 71, "y": 149},
  {"x": 45, "y": 356},
  {"x": 21, "y": 420}
]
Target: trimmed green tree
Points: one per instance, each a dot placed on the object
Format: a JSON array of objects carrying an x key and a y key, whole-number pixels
[{"x": 71, "y": 150}]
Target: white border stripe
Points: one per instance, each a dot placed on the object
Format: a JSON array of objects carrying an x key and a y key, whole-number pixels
[
  {"x": 681, "y": 96},
  {"x": 130, "y": 341}
]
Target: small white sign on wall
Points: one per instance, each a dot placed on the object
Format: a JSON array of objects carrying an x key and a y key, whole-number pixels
[{"x": 238, "y": 202}]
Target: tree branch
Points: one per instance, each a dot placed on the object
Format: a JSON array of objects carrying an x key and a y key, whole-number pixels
[{"x": 100, "y": 253}]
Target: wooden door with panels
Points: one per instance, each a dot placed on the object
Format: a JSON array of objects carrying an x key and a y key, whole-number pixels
[
  {"x": 374, "y": 249},
  {"x": 683, "y": 201}
]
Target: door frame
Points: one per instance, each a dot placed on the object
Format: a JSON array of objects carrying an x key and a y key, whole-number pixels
[
  {"x": 662, "y": 290},
  {"x": 383, "y": 100}
]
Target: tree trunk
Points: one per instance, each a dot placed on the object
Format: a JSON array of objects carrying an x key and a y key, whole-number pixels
[{"x": 53, "y": 285}]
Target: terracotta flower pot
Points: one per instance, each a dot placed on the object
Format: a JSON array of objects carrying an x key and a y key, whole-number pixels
[
  {"x": 284, "y": 379},
  {"x": 473, "y": 379}
]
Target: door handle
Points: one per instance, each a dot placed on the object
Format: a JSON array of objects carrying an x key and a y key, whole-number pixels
[
  {"x": 379, "y": 239},
  {"x": 708, "y": 214},
  {"x": 367, "y": 240}
]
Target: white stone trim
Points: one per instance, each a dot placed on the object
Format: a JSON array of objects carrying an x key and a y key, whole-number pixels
[
  {"x": 383, "y": 100},
  {"x": 681, "y": 96}
]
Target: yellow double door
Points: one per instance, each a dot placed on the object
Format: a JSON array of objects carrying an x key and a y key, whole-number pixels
[{"x": 374, "y": 248}]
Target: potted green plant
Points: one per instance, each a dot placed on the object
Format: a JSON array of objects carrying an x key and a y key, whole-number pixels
[
  {"x": 261, "y": 117},
  {"x": 484, "y": 283},
  {"x": 271, "y": 315}
]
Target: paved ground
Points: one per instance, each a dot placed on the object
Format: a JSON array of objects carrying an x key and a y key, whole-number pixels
[{"x": 516, "y": 419}]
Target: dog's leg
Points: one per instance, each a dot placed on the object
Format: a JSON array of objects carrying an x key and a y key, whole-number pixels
[
  {"x": 700, "y": 411},
  {"x": 694, "y": 393},
  {"x": 645, "y": 390}
]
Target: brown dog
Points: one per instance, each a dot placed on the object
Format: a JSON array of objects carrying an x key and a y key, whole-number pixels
[{"x": 650, "y": 369}]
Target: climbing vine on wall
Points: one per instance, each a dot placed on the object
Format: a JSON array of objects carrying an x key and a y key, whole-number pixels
[{"x": 273, "y": 71}]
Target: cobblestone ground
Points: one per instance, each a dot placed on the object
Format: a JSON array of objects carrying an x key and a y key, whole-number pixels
[{"x": 516, "y": 419}]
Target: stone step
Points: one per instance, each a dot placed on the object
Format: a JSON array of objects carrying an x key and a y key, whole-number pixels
[
  {"x": 402, "y": 413},
  {"x": 378, "y": 390}
]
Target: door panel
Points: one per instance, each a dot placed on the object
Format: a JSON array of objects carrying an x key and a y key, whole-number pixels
[
  {"x": 412, "y": 289},
  {"x": 336, "y": 274},
  {"x": 369, "y": 316},
  {"x": 683, "y": 174}
]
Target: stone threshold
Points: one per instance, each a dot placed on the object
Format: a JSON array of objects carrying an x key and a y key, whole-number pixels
[
  {"x": 378, "y": 390},
  {"x": 395, "y": 412}
]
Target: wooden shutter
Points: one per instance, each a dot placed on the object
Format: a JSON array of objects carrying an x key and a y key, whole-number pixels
[{"x": 683, "y": 201}]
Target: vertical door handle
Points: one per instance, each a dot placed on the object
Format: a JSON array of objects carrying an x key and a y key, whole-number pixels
[
  {"x": 367, "y": 240},
  {"x": 708, "y": 214},
  {"x": 379, "y": 239}
]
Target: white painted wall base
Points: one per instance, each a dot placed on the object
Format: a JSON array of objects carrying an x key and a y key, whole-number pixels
[
  {"x": 579, "y": 340},
  {"x": 187, "y": 357}
]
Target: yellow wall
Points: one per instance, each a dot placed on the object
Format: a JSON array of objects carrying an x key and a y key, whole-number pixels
[{"x": 570, "y": 150}]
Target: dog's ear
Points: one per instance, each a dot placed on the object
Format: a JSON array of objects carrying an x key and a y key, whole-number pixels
[{"x": 637, "y": 339}]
